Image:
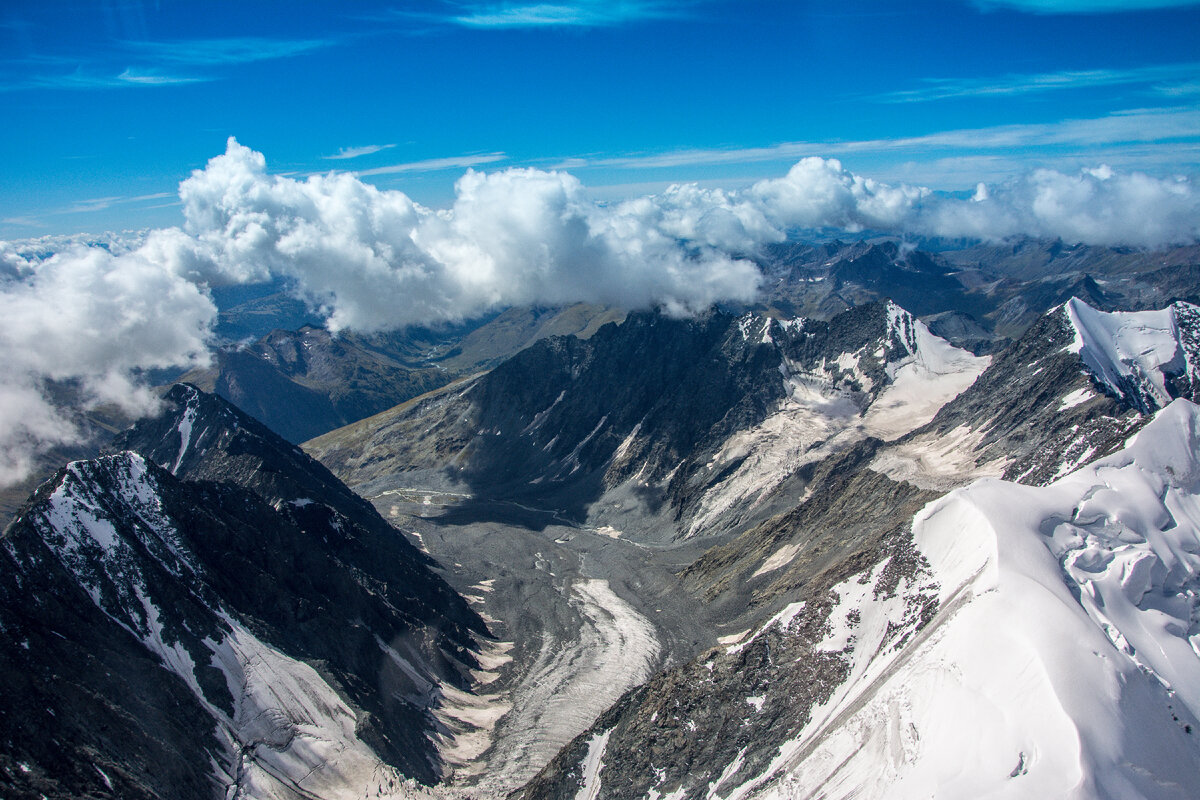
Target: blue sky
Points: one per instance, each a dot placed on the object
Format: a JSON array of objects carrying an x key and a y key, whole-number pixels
[{"x": 109, "y": 105}]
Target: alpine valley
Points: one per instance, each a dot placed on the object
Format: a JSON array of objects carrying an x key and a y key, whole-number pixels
[{"x": 920, "y": 522}]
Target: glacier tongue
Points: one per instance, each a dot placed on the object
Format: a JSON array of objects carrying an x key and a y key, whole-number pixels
[{"x": 1065, "y": 658}]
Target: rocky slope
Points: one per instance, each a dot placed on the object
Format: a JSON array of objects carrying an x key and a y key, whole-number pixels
[
  {"x": 234, "y": 620},
  {"x": 1008, "y": 641},
  {"x": 660, "y": 424}
]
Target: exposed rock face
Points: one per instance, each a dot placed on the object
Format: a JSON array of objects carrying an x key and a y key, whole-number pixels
[
  {"x": 267, "y": 631},
  {"x": 643, "y": 414},
  {"x": 301, "y": 383}
]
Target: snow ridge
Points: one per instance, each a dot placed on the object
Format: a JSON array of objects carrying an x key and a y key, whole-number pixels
[
  {"x": 1064, "y": 660},
  {"x": 1135, "y": 353}
]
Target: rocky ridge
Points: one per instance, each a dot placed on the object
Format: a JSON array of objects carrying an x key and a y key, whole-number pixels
[{"x": 287, "y": 640}]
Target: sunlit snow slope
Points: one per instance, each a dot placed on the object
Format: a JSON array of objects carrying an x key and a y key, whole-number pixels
[{"x": 1064, "y": 660}]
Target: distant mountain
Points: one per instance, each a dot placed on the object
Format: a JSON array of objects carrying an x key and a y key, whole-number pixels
[
  {"x": 302, "y": 383},
  {"x": 996, "y": 289},
  {"x": 208, "y": 611}
]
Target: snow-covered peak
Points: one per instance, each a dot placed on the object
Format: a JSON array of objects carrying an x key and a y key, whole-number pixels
[
  {"x": 761, "y": 329},
  {"x": 925, "y": 372},
  {"x": 1134, "y": 353},
  {"x": 1064, "y": 660}
]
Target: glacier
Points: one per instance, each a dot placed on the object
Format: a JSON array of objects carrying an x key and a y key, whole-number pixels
[{"x": 1064, "y": 660}]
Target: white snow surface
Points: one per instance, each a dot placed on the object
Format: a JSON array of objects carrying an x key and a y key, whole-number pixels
[
  {"x": 185, "y": 429},
  {"x": 1129, "y": 346},
  {"x": 1064, "y": 660},
  {"x": 934, "y": 373},
  {"x": 929, "y": 375},
  {"x": 589, "y": 788}
]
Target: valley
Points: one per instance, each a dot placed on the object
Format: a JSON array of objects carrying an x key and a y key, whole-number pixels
[{"x": 720, "y": 556}]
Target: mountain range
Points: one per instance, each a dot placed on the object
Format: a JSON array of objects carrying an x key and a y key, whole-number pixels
[{"x": 924, "y": 520}]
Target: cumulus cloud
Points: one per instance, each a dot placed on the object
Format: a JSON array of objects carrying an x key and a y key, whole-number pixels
[
  {"x": 98, "y": 312},
  {"x": 374, "y": 259},
  {"x": 1095, "y": 206},
  {"x": 94, "y": 318}
]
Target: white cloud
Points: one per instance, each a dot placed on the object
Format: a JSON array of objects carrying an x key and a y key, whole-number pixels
[
  {"x": 820, "y": 193},
  {"x": 375, "y": 259},
  {"x": 355, "y": 152},
  {"x": 87, "y": 315},
  {"x": 28, "y": 425},
  {"x": 98, "y": 311},
  {"x": 1097, "y": 206}
]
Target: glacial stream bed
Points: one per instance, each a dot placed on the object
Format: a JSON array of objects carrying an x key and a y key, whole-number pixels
[{"x": 584, "y": 616}]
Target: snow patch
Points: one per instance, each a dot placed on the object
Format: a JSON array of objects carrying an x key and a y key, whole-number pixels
[
  {"x": 589, "y": 788},
  {"x": 780, "y": 558},
  {"x": 1076, "y": 398},
  {"x": 186, "y": 421},
  {"x": 938, "y": 462},
  {"x": 933, "y": 374}
]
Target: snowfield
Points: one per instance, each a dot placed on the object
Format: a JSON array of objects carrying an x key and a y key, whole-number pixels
[{"x": 1064, "y": 661}]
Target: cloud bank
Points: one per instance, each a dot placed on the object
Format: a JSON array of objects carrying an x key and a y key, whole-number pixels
[
  {"x": 374, "y": 259},
  {"x": 98, "y": 314},
  {"x": 93, "y": 318}
]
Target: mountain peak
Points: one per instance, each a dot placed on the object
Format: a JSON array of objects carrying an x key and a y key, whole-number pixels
[{"x": 1144, "y": 357}]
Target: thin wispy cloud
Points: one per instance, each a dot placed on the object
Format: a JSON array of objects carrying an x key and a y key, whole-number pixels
[
  {"x": 103, "y": 203},
  {"x": 1185, "y": 89},
  {"x": 355, "y": 152},
  {"x": 1081, "y": 6},
  {"x": 142, "y": 78},
  {"x": 1014, "y": 85},
  {"x": 81, "y": 79},
  {"x": 1125, "y": 127},
  {"x": 153, "y": 63},
  {"x": 29, "y": 222},
  {"x": 579, "y": 14},
  {"x": 434, "y": 164},
  {"x": 219, "y": 52}
]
